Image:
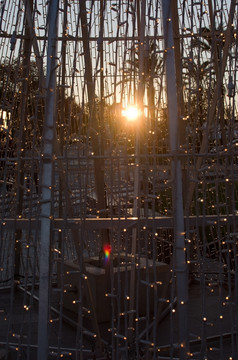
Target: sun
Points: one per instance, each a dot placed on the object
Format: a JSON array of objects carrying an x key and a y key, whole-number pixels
[{"x": 131, "y": 113}]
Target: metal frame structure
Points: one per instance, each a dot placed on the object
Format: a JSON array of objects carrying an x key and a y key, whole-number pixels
[{"x": 118, "y": 238}]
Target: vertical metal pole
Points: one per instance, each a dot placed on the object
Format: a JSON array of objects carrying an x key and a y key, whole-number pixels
[
  {"x": 62, "y": 114},
  {"x": 138, "y": 131},
  {"x": 46, "y": 183},
  {"x": 93, "y": 118},
  {"x": 179, "y": 245},
  {"x": 22, "y": 137}
]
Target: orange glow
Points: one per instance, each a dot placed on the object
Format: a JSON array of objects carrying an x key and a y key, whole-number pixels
[{"x": 131, "y": 113}]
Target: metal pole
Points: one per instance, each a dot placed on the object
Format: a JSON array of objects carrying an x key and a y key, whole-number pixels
[
  {"x": 22, "y": 139},
  {"x": 93, "y": 118},
  {"x": 47, "y": 182},
  {"x": 180, "y": 266},
  {"x": 141, "y": 10}
]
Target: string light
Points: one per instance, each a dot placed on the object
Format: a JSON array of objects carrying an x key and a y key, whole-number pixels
[{"x": 120, "y": 74}]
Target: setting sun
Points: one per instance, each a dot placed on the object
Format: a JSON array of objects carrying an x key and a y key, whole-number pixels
[{"x": 131, "y": 113}]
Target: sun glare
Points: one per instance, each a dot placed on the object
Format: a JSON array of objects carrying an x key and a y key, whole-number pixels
[{"x": 131, "y": 113}]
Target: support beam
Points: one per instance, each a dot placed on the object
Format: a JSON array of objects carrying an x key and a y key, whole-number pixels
[
  {"x": 141, "y": 11},
  {"x": 21, "y": 139},
  {"x": 160, "y": 222},
  {"x": 47, "y": 182},
  {"x": 180, "y": 266}
]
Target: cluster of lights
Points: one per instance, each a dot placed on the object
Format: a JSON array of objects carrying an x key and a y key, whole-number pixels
[{"x": 132, "y": 114}]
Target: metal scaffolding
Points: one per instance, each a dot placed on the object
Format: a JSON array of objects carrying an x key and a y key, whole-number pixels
[{"x": 118, "y": 179}]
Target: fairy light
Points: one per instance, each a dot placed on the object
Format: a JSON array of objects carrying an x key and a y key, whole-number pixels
[{"x": 158, "y": 206}]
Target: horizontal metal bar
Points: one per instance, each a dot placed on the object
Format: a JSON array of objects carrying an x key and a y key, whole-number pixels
[
  {"x": 112, "y": 38},
  {"x": 124, "y": 223}
]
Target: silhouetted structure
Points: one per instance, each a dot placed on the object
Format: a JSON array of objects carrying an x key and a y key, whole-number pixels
[{"x": 119, "y": 173}]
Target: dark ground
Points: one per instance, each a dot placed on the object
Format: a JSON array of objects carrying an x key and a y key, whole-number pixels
[{"x": 218, "y": 329}]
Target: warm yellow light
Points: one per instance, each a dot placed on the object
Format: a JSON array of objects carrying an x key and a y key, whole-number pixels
[{"x": 131, "y": 113}]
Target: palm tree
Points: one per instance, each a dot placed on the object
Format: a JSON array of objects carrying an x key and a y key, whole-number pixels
[{"x": 201, "y": 73}]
